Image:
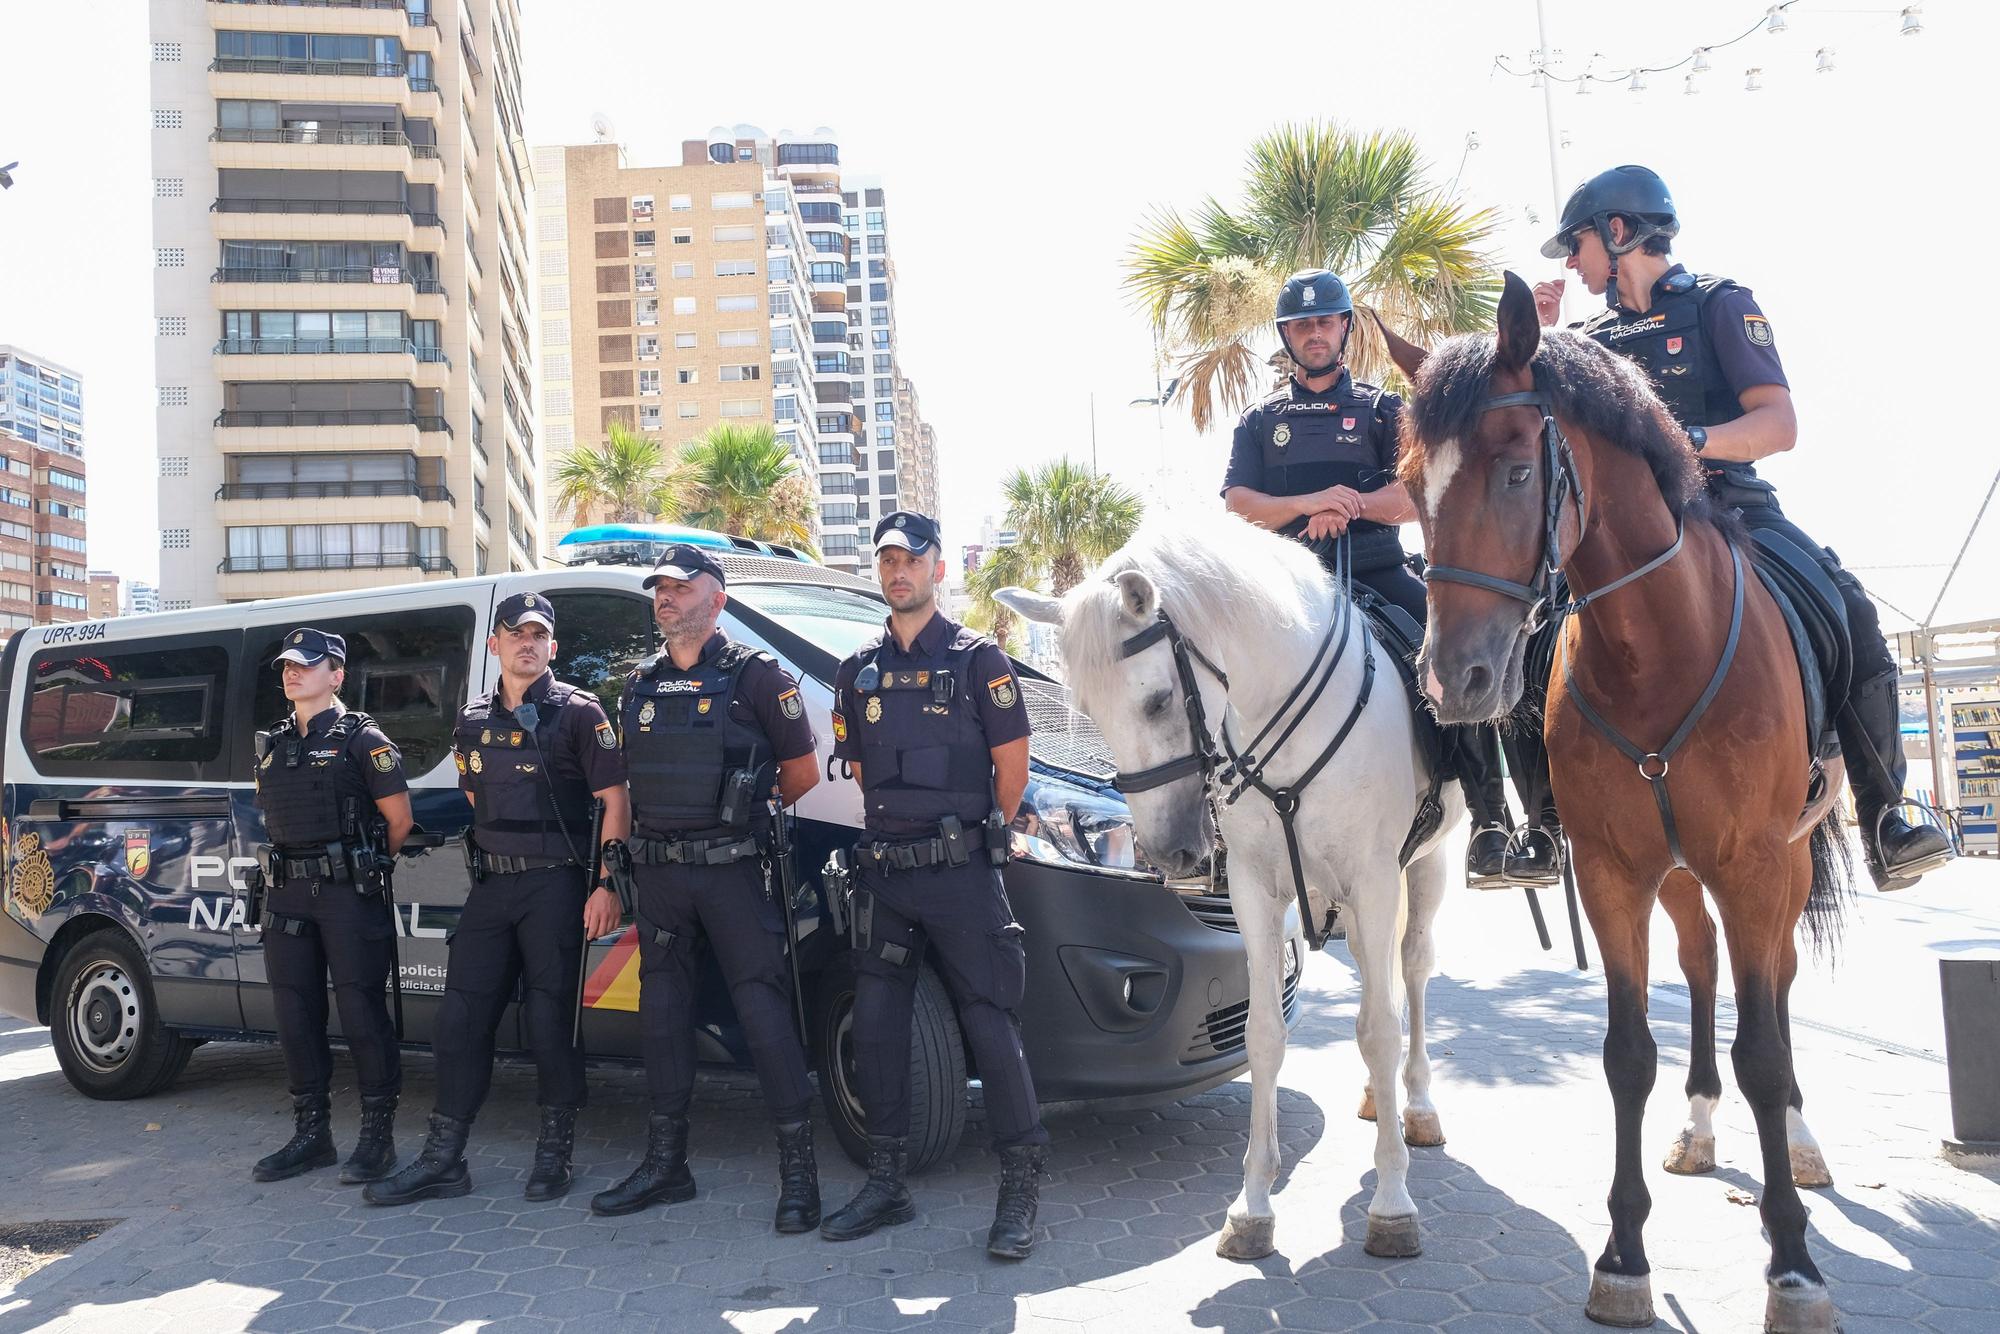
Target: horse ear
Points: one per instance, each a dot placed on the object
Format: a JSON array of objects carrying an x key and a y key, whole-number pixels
[
  {"x": 1035, "y": 606},
  {"x": 1138, "y": 596},
  {"x": 1520, "y": 328},
  {"x": 1407, "y": 355}
]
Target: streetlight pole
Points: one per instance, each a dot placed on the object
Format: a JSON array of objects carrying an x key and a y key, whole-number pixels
[{"x": 1549, "y": 116}]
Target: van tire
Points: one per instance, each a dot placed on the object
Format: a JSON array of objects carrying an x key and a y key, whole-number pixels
[
  {"x": 937, "y": 1067},
  {"x": 105, "y": 1024}
]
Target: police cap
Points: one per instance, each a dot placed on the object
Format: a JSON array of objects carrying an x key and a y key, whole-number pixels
[
  {"x": 522, "y": 607},
  {"x": 907, "y": 529},
  {"x": 684, "y": 561},
  {"x": 307, "y": 647}
]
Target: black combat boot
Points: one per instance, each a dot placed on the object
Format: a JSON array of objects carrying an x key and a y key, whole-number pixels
[
  {"x": 798, "y": 1179},
  {"x": 311, "y": 1145},
  {"x": 1534, "y": 855},
  {"x": 551, "y": 1177},
  {"x": 1899, "y": 853},
  {"x": 375, "y": 1151},
  {"x": 1013, "y": 1232},
  {"x": 1486, "y": 858},
  {"x": 439, "y": 1172},
  {"x": 661, "y": 1175},
  {"x": 883, "y": 1198}
]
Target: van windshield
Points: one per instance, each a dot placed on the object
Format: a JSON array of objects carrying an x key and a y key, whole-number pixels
[{"x": 839, "y": 620}]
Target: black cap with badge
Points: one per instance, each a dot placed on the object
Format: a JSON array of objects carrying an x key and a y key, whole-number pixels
[
  {"x": 307, "y": 647},
  {"x": 907, "y": 529},
  {"x": 525, "y": 607},
  {"x": 684, "y": 561}
]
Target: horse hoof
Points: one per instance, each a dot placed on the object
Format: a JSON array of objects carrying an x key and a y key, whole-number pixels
[
  {"x": 1692, "y": 1155},
  {"x": 1393, "y": 1238},
  {"x": 1422, "y": 1129},
  {"x": 1247, "y": 1238},
  {"x": 1809, "y": 1170},
  {"x": 1624, "y": 1300},
  {"x": 1367, "y": 1109},
  {"x": 1798, "y": 1305}
]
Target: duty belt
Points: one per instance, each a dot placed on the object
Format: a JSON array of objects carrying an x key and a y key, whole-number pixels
[
  {"x": 910, "y": 856},
  {"x": 313, "y": 866},
  {"x": 693, "y": 851},
  {"x": 494, "y": 863}
]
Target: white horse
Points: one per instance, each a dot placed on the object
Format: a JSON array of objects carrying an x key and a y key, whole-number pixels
[{"x": 1245, "y": 616}]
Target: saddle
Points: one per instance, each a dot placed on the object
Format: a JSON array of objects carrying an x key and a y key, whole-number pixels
[
  {"x": 1401, "y": 639},
  {"x": 1798, "y": 582}
]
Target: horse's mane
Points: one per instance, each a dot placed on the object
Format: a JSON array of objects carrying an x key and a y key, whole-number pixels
[
  {"x": 1595, "y": 389},
  {"x": 1215, "y": 574}
]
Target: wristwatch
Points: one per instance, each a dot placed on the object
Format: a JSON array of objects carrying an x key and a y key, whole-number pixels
[{"x": 1698, "y": 437}]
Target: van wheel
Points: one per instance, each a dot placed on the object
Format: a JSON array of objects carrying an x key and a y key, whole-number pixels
[
  {"x": 105, "y": 1026},
  {"x": 937, "y": 1067}
]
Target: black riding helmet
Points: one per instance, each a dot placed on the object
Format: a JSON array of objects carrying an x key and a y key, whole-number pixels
[
  {"x": 1634, "y": 193},
  {"x": 1310, "y": 293}
]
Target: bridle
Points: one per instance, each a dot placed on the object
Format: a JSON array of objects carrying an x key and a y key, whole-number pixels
[
  {"x": 1562, "y": 485},
  {"x": 1245, "y": 769}
]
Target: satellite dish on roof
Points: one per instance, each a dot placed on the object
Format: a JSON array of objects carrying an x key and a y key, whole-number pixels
[{"x": 601, "y": 127}]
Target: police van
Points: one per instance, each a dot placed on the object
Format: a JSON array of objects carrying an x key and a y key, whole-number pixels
[{"x": 128, "y": 824}]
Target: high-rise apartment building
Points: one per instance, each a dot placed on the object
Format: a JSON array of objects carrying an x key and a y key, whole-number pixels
[
  {"x": 141, "y": 598},
  {"x": 105, "y": 601},
  {"x": 341, "y": 294},
  {"x": 43, "y": 574},
  {"x": 40, "y": 401}
]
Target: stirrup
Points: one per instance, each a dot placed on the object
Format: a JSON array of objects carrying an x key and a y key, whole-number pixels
[
  {"x": 1495, "y": 880},
  {"x": 1891, "y": 878},
  {"x": 1541, "y": 877}
]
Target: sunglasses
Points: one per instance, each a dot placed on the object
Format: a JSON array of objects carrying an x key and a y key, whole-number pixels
[{"x": 1573, "y": 241}]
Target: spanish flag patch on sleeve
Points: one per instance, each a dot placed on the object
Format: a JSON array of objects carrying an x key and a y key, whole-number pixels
[{"x": 839, "y": 727}]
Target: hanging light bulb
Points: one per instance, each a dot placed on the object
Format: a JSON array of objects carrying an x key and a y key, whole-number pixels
[
  {"x": 1823, "y": 64},
  {"x": 1638, "y": 84},
  {"x": 1751, "y": 82},
  {"x": 1913, "y": 20},
  {"x": 1536, "y": 81},
  {"x": 1583, "y": 86},
  {"x": 1700, "y": 60},
  {"x": 1690, "y": 90},
  {"x": 1774, "y": 20}
]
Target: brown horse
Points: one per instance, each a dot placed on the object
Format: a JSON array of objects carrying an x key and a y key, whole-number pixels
[{"x": 1675, "y": 721}]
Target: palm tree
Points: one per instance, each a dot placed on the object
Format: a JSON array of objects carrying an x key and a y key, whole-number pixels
[
  {"x": 1067, "y": 516},
  {"x": 742, "y": 479},
  {"x": 625, "y": 476},
  {"x": 1316, "y": 195},
  {"x": 997, "y": 569}
]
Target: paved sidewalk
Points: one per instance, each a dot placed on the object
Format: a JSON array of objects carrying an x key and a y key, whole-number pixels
[{"x": 1512, "y": 1206}]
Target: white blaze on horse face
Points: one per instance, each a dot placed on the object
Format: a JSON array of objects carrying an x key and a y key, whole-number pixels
[{"x": 1440, "y": 466}]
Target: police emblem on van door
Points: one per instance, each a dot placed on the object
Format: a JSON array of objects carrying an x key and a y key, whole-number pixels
[
  {"x": 873, "y": 713},
  {"x": 1283, "y": 435},
  {"x": 646, "y": 712},
  {"x": 34, "y": 880},
  {"x": 139, "y": 851},
  {"x": 1002, "y": 690}
]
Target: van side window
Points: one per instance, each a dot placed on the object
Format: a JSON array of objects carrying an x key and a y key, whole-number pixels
[
  {"x": 117, "y": 713},
  {"x": 405, "y": 669},
  {"x": 601, "y": 637}
]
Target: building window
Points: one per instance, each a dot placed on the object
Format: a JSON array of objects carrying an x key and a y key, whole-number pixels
[
  {"x": 878, "y": 291},
  {"x": 645, "y": 278},
  {"x": 649, "y": 416},
  {"x": 878, "y": 315},
  {"x": 649, "y": 383},
  {"x": 731, "y": 305},
  {"x": 883, "y": 362},
  {"x": 733, "y": 199},
  {"x": 683, "y": 236},
  {"x": 737, "y": 338},
  {"x": 878, "y": 245},
  {"x": 885, "y": 435},
  {"x": 875, "y": 221},
  {"x": 649, "y": 347},
  {"x": 649, "y": 310},
  {"x": 742, "y": 407},
  {"x": 881, "y": 338},
  {"x": 684, "y": 340},
  {"x": 642, "y": 243},
  {"x": 687, "y": 375},
  {"x": 680, "y": 203},
  {"x": 684, "y": 305},
  {"x": 884, "y": 386},
  {"x": 687, "y": 408},
  {"x": 642, "y": 208},
  {"x": 731, "y": 374},
  {"x": 878, "y": 268},
  {"x": 736, "y": 268},
  {"x": 731, "y": 234}
]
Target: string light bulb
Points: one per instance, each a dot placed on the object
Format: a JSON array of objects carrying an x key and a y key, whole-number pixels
[
  {"x": 1752, "y": 82},
  {"x": 1536, "y": 81},
  {"x": 1690, "y": 90},
  {"x": 1774, "y": 20},
  {"x": 1700, "y": 60},
  {"x": 1583, "y": 86},
  {"x": 1638, "y": 84},
  {"x": 1823, "y": 62},
  {"x": 1913, "y": 20}
]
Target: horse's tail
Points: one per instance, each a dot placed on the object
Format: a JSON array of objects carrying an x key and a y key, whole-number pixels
[{"x": 1832, "y": 884}]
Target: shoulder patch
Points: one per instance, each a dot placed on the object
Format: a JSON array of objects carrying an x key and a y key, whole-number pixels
[
  {"x": 384, "y": 759},
  {"x": 1757, "y": 329},
  {"x": 839, "y": 726},
  {"x": 791, "y": 705},
  {"x": 458, "y": 758},
  {"x": 1001, "y": 688},
  {"x": 606, "y": 737}
]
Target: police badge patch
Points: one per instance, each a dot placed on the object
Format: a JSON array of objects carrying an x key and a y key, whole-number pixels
[
  {"x": 873, "y": 713},
  {"x": 791, "y": 705},
  {"x": 607, "y": 738},
  {"x": 646, "y": 712},
  {"x": 1002, "y": 690},
  {"x": 839, "y": 728},
  {"x": 478, "y": 766},
  {"x": 1283, "y": 435},
  {"x": 1757, "y": 329},
  {"x": 384, "y": 758}
]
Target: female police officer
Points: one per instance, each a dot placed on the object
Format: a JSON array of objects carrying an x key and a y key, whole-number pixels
[{"x": 324, "y": 776}]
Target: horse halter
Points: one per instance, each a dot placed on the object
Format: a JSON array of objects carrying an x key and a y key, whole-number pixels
[{"x": 1560, "y": 484}]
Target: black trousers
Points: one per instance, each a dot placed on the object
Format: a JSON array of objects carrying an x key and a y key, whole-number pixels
[
  {"x": 346, "y": 941},
  {"x": 963, "y": 912},
  {"x": 679, "y": 907},
  {"x": 524, "y": 930},
  {"x": 1864, "y": 626}
]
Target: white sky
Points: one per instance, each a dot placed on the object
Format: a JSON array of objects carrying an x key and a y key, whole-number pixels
[{"x": 1023, "y": 144}]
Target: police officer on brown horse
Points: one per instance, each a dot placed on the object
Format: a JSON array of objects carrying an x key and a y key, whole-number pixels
[
  {"x": 336, "y": 809},
  {"x": 1710, "y": 352}
]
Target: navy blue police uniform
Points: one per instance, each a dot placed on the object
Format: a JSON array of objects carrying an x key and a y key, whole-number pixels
[
  {"x": 1705, "y": 342},
  {"x": 324, "y": 924}
]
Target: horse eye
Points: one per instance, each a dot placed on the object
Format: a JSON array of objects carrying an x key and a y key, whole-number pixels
[
  {"x": 1519, "y": 474},
  {"x": 1156, "y": 704}
]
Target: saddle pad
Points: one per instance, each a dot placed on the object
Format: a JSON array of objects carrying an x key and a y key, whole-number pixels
[{"x": 1817, "y": 622}]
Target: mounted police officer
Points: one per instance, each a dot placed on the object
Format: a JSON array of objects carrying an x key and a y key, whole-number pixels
[
  {"x": 1317, "y": 459},
  {"x": 931, "y": 718},
  {"x": 530, "y": 756},
  {"x": 711, "y": 728},
  {"x": 336, "y": 808},
  {"x": 1711, "y": 354}
]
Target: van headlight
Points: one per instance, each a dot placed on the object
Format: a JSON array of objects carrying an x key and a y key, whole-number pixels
[{"x": 1065, "y": 824}]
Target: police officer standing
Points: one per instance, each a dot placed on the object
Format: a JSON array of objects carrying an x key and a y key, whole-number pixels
[
  {"x": 328, "y": 783},
  {"x": 711, "y": 729},
  {"x": 1710, "y": 352},
  {"x": 1317, "y": 459},
  {"x": 530, "y": 756},
  {"x": 931, "y": 719}
]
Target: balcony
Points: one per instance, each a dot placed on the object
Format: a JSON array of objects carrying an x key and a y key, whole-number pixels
[
  {"x": 424, "y": 286},
  {"x": 333, "y": 417},
  {"x": 325, "y": 68},
  {"x": 336, "y": 4},
  {"x": 363, "y": 207},
  {"x": 352, "y": 560},
  {"x": 320, "y": 347},
  {"x": 330, "y": 491},
  {"x": 339, "y": 136}
]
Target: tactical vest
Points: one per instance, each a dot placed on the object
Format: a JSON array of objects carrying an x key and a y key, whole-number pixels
[
  {"x": 521, "y": 809},
  {"x": 1671, "y": 344},
  {"x": 681, "y": 743},
  {"x": 924, "y": 754},
  {"x": 299, "y": 795},
  {"x": 1312, "y": 443}
]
